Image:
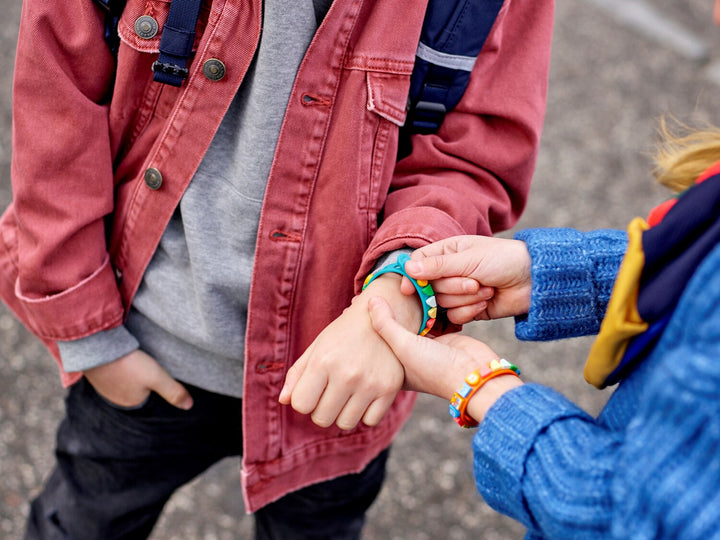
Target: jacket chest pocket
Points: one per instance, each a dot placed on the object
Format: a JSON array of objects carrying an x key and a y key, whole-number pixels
[{"x": 385, "y": 109}]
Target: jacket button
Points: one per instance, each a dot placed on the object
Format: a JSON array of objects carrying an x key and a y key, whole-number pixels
[
  {"x": 146, "y": 27},
  {"x": 214, "y": 69},
  {"x": 153, "y": 178}
]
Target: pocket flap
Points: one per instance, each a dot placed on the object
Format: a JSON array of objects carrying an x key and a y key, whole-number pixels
[{"x": 388, "y": 95}]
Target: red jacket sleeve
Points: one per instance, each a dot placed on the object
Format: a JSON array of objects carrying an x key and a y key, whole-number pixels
[
  {"x": 473, "y": 176},
  {"x": 61, "y": 171}
]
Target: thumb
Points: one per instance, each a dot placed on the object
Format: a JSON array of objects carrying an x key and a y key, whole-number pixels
[
  {"x": 384, "y": 323},
  {"x": 171, "y": 391}
]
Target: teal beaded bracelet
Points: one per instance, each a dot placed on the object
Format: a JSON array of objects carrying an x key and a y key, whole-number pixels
[{"x": 423, "y": 288}]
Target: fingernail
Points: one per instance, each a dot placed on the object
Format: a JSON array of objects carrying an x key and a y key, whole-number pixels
[
  {"x": 470, "y": 285},
  {"x": 413, "y": 266},
  {"x": 187, "y": 404}
]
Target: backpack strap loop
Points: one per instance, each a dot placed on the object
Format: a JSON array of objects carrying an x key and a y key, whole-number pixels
[
  {"x": 452, "y": 37},
  {"x": 176, "y": 43},
  {"x": 113, "y": 9}
]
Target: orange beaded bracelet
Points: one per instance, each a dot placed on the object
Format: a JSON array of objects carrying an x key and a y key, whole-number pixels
[{"x": 473, "y": 383}]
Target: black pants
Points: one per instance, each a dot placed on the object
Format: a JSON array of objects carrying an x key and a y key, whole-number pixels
[{"x": 116, "y": 469}]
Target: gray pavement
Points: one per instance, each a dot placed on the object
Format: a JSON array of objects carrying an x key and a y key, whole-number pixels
[{"x": 616, "y": 69}]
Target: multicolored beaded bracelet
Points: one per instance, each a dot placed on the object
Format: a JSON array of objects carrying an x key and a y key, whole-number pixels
[
  {"x": 473, "y": 383},
  {"x": 423, "y": 288}
]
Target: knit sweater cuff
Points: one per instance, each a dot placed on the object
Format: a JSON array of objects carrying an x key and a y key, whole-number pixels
[
  {"x": 506, "y": 437},
  {"x": 572, "y": 277}
]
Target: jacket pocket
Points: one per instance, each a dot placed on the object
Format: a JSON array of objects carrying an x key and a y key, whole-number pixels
[{"x": 385, "y": 112}]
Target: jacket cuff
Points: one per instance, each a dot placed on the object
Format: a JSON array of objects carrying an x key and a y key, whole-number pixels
[
  {"x": 97, "y": 349},
  {"x": 408, "y": 228},
  {"x": 505, "y": 439},
  {"x": 65, "y": 316}
]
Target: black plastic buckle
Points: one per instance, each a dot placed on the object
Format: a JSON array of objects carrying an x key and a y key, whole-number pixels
[
  {"x": 170, "y": 69},
  {"x": 113, "y": 9},
  {"x": 428, "y": 116}
]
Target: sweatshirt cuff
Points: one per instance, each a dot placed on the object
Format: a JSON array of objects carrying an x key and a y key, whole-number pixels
[
  {"x": 390, "y": 257},
  {"x": 505, "y": 439},
  {"x": 563, "y": 302},
  {"x": 96, "y": 349}
]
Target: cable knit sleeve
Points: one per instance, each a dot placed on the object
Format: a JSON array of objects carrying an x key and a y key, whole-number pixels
[
  {"x": 543, "y": 461},
  {"x": 573, "y": 274}
]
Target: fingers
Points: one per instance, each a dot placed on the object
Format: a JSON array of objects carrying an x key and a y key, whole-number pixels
[
  {"x": 455, "y": 256},
  {"x": 346, "y": 416},
  {"x": 451, "y": 301},
  {"x": 406, "y": 287},
  {"x": 450, "y": 285},
  {"x": 314, "y": 395},
  {"x": 465, "y": 314},
  {"x": 128, "y": 381},
  {"x": 438, "y": 266},
  {"x": 377, "y": 409},
  {"x": 346, "y": 369},
  {"x": 454, "y": 244},
  {"x": 332, "y": 408},
  {"x": 291, "y": 379},
  {"x": 171, "y": 391},
  {"x": 460, "y": 286},
  {"x": 336, "y": 402}
]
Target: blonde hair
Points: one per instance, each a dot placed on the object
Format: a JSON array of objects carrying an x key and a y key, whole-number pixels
[{"x": 685, "y": 153}]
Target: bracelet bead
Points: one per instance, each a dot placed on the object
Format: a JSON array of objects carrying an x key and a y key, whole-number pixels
[{"x": 472, "y": 383}]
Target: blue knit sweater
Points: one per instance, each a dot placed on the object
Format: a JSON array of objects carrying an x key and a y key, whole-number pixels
[{"x": 649, "y": 465}]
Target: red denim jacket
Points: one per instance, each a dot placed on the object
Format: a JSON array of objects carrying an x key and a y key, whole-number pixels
[{"x": 102, "y": 155}]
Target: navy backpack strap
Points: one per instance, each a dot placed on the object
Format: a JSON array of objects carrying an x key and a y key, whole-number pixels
[
  {"x": 452, "y": 36},
  {"x": 176, "y": 43},
  {"x": 113, "y": 9}
]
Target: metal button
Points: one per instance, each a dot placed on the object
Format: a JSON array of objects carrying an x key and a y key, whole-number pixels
[
  {"x": 146, "y": 27},
  {"x": 153, "y": 178},
  {"x": 214, "y": 69}
]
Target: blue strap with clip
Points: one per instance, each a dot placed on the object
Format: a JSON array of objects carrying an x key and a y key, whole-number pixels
[
  {"x": 452, "y": 37},
  {"x": 178, "y": 36}
]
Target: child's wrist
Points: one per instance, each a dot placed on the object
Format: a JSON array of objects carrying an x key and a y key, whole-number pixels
[
  {"x": 406, "y": 309},
  {"x": 424, "y": 290},
  {"x": 493, "y": 390},
  {"x": 469, "y": 403}
]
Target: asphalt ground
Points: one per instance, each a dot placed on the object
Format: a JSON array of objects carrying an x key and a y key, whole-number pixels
[{"x": 617, "y": 67}]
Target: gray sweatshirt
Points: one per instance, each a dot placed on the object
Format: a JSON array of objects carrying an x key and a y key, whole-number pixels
[{"x": 191, "y": 308}]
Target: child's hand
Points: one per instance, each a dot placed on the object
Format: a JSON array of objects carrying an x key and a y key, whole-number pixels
[
  {"x": 439, "y": 366},
  {"x": 475, "y": 277},
  {"x": 129, "y": 380},
  {"x": 349, "y": 374}
]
